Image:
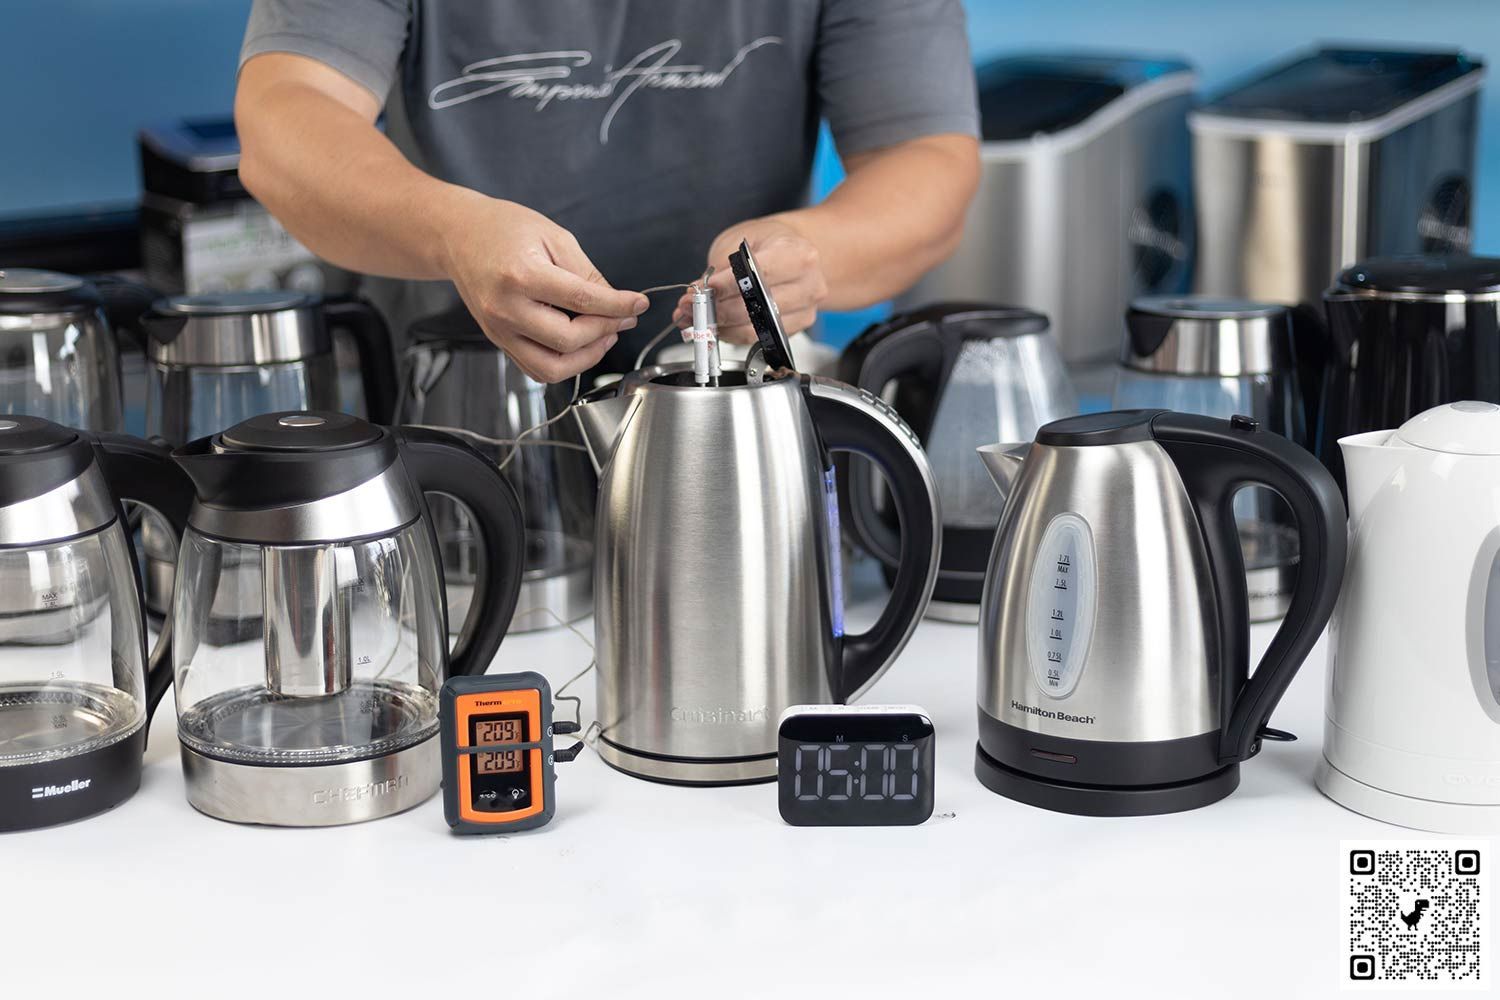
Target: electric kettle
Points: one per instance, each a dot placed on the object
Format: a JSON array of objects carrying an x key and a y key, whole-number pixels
[
  {"x": 454, "y": 379},
  {"x": 1113, "y": 638},
  {"x": 77, "y": 688},
  {"x": 58, "y": 355},
  {"x": 1413, "y": 710},
  {"x": 322, "y": 707},
  {"x": 961, "y": 375},
  {"x": 717, "y": 584},
  {"x": 217, "y": 359}
]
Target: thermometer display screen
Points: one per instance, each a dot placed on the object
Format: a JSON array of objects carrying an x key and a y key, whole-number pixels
[
  {"x": 509, "y": 729},
  {"x": 851, "y": 768}
]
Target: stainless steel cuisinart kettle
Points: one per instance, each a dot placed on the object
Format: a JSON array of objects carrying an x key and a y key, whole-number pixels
[
  {"x": 1113, "y": 636},
  {"x": 717, "y": 589},
  {"x": 310, "y": 633},
  {"x": 77, "y": 687}
]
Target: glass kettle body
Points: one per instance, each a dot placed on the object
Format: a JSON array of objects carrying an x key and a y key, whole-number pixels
[
  {"x": 77, "y": 688},
  {"x": 309, "y": 627},
  {"x": 1113, "y": 638},
  {"x": 1413, "y": 701},
  {"x": 717, "y": 591}
]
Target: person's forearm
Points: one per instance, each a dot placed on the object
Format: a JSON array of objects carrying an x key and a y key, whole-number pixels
[
  {"x": 898, "y": 214},
  {"x": 340, "y": 186}
]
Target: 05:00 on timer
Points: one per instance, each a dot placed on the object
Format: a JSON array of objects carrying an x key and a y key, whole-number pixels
[{"x": 871, "y": 772}]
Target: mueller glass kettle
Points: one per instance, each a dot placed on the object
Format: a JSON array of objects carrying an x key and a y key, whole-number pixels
[
  {"x": 77, "y": 688},
  {"x": 454, "y": 379},
  {"x": 318, "y": 705},
  {"x": 1413, "y": 710},
  {"x": 716, "y": 579},
  {"x": 58, "y": 355},
  {"x": 1113, "y": 639},
  {"x": 961, "y": 375}
]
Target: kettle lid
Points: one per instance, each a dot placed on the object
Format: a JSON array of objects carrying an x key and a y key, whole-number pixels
[
  {"x": 311, "y": 431},
  {"x": 37, "y": 457},
  {"x": 1423, "y": 276},
  {"x": 1204, "y": 335},
  {"x": 1464, "y": 428},
  {"x": 237, "y": 303},
  {"x": 30, "y": 290}
]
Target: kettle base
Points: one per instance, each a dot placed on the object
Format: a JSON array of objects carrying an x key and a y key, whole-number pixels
[
  {"x": 705, "y": 771},
  {"x": 1104, "y": 800},
  {"x": 1404, "y": 810}
]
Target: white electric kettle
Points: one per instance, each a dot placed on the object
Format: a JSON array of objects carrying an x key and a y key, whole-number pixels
[{"x": 1413, "y": 711}]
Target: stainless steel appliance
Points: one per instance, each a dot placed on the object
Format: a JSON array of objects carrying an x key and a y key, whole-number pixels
[
  {"x": 717, "y": 588},
  {"x": 77, "y": 688},
  {"x": 961, "y": 375},
  {"x": 215, "y": 360},
  {"x": 454, "y": 379},
  {"x": 1113, "y": 640},
  {"x": 311, "y": 526},
  {"x": 1330, "y": 157},
  {"x": 1407, "y": 334},
  {"x": 1219, "y": 358},
  {"x": 1085, "y": 197}
]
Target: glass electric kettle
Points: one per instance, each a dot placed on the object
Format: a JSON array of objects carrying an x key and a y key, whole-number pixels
[
  {"x": 75, "y": 690},
  {"x": 454, "y": 379},
  {"x": 309, "y": 622}
]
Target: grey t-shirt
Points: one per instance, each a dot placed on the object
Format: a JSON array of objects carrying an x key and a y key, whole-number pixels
[{"x": 644, "y": 128}]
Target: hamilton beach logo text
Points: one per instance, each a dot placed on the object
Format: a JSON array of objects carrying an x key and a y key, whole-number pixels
[
  {"x": 1042, "y": 713},
  {"x": 533, "y": 76},
  {"x": 354, "y": 793},
  {"x": 719, "y": 716},
  {"x": 48, "y": 791}
]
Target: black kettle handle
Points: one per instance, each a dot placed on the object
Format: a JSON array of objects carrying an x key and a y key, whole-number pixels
[
  {"x": 910, "y": 350},
  {"x": 125, "y": 304},
  {"x": 1216, "y": 458},
  {"x": 377, "y": 359},
  {"x": 441, "y": 463},
  {"x": 849, "y": 419},
  {"x": 143, "y": 472}
]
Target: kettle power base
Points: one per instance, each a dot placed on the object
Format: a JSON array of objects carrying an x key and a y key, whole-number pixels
[
  {"x": 1406, "y": 810},
  {"x": 704, "y": 771},
  {"x": 1100, "y": 800},
  {"x": 71, "y": 788}
]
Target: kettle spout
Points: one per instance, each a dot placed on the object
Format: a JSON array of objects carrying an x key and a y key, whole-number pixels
[
  {"x": 1004, "y": 462},
  {"x": 1370, "y": 461},
  {"x": 601, "y": 416}
]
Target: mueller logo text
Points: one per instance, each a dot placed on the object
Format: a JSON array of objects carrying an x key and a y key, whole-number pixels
[{"x": 49, "y": 791}]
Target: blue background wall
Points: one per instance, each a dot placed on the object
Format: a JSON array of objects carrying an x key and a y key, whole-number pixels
[{"x": 82, "y": 75}]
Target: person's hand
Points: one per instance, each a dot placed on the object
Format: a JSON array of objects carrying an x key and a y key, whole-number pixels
[
  {"x": 789, "y": 266},
  {"x": 517, "y": 271}
]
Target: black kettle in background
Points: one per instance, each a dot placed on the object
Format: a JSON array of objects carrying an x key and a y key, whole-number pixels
[
  {"x": 1406, "y": 334},
  {"x": 962, "y": 375}
]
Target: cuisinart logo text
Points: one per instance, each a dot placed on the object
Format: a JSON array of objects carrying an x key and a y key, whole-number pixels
[
  {"x": 719, "y": 716},
  {"x": 1042, "y": 713},
  {"x": 48, "y": 791},
  {"x": 354, "y": 793}
]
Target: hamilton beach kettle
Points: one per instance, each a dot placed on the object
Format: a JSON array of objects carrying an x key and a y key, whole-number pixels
[
  {"x": 317, "y": 704},
  {"x": 1113, "y": 637}
]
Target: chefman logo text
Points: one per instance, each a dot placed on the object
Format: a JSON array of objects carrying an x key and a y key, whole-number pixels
[
  {"x": 718, "y": 716},
  {"x": 48, "y": 791},
  {"x": 1042, "y": 713}
]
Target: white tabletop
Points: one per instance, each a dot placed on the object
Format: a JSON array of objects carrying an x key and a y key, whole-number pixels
[{"x": 646, "y": 890}]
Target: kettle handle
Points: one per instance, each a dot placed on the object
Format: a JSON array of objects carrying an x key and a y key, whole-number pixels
[
  {"x": 1216, "y": 459},
  {"x": 911, "y": 350},
  {"x": 441, "y": 463},
  {"x": 143, "y": 472},
  {"x": 377, "y": 359},
  {"x": 126, "y": 304},
  {"x": 849, "y": 419}
]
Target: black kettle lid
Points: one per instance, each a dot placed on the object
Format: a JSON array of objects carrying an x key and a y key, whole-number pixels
[
  {"x": 313, "y": 431},
  {"x": 37, "y": 456},
  {"x": 1423, "y": 275},
  {"x": 30, "y": 290}
]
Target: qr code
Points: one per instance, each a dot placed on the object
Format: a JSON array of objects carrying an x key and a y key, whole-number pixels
[{"x": 1415, "y": 914}]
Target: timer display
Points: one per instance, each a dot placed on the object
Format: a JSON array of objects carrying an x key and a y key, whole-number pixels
[{"x": 855, "y": 766}]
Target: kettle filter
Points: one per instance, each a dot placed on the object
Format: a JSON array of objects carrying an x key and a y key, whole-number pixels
[{"x": 306, "y": 622}]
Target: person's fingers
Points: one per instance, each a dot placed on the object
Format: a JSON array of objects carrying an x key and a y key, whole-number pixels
[
  {"x": 546, "y": 365},
  {"x": 558, "y": 332},
  {"x": 590, "y": 295}
]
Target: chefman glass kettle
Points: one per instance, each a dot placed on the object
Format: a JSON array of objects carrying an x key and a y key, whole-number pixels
[
  {"x": 1114, "y": 647},
  {"x": 321, "y": 706},
  {"x": 962, "y": 375},
  {"x": 77, "y": 688}
]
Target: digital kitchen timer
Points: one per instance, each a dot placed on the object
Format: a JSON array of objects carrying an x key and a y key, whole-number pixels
[
  {"x": 498, "y": 757},
  {"x": 855, "y": 765}
]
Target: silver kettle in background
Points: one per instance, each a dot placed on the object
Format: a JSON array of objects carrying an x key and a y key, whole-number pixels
[
  {"x": 1114, "y": 643},
  {"x": 717, "y": 588}
]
